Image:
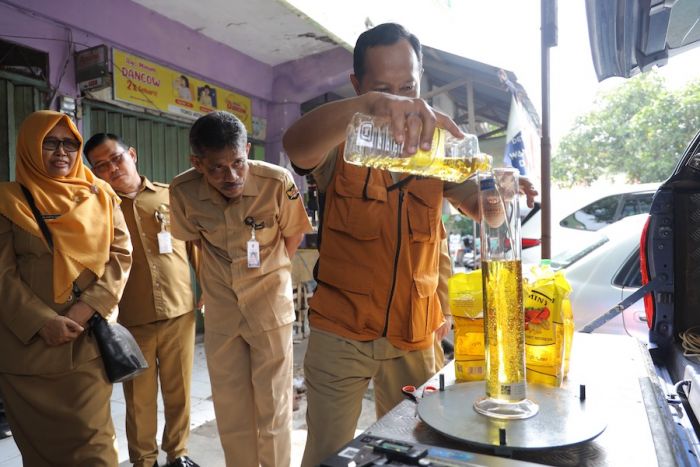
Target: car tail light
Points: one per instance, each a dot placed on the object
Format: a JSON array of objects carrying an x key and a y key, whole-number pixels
[
  {"x": 649, "y": 306},
  {"x": 530, "y": 242}
]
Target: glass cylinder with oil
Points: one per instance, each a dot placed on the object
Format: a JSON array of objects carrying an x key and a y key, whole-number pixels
[
  {"x": 504, "y": 315},
  {"x": 369, "y": 143}
]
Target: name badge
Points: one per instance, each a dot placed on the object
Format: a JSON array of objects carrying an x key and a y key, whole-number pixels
[
  {"x": 253, "y": 251},
  {"x": 165, "y": 242},
  {"x": 253, "y": 254}
]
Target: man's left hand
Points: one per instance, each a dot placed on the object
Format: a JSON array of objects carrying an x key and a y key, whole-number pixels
[
  {"x": 528, "y": 189},
  {"x": 444, "y": 329}
]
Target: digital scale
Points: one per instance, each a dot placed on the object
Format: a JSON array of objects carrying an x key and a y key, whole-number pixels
[{"x": 368, "y": 450}]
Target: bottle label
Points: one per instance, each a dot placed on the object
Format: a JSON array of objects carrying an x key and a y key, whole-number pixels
[
  {"x": 542, "y": 313},
  {"x": 487, "y": 184},
  {"x": 512, "y": 392}
]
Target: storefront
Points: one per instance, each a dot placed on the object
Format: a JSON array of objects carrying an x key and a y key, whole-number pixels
[
  {"x": 143, "y": 89},
  {"x": 19, "y": 96}
]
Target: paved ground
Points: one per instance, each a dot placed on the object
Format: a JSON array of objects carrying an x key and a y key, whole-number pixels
[{"x": 204, "y": 441}]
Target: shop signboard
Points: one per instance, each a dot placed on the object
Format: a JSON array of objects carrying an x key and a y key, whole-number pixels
[{"x": 147, "y": 84}]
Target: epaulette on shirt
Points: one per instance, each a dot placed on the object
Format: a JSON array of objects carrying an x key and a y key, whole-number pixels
[
  {"x": 161, "y": 184},
  {"x": 267, "y": 170},
  {"x": 186, "y": 176}
]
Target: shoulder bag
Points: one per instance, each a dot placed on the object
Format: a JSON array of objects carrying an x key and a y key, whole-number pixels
[{"x": 121, "y": 354}]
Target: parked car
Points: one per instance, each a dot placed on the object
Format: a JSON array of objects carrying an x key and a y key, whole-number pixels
[
  {"x": 671, "y": 258},
  {"x": 602, "y": 272},
  {"x": 626, "y": 38},
  {"x": 578, "y": 213}
]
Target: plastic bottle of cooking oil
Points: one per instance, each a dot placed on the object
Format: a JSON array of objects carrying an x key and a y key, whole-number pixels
[
  {"x": 548, "y": 326},
  {"x": 369, "y": 143},
  {"x": 467, "y": 307}
]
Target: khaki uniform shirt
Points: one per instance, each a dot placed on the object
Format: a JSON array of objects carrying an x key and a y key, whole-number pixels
[
  {"x": 26, "y": 278},
  {"x": 233, "y": 291},
  {"x": 159, "y": 285}
]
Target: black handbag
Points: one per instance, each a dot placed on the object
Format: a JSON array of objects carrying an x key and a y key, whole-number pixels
[{"x": 121, "y": 354}]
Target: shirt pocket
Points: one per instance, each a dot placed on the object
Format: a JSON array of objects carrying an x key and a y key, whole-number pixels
[
  {"x": 422, "y": 217},
  {"x": 26, "y": 244},
  {"x": 357, "y": 209},
  {"x": 269, "y": 233},
  {"x": 346, "y": 294},
  {"x": 425, "y": 315},
  {"x": 213, "y": 229},
  {"x": 209, "y": 224}
]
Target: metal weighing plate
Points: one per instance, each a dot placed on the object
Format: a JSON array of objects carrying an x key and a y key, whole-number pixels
[{"x": 563, "y": 419}]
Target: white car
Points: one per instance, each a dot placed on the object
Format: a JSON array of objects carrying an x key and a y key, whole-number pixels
[
  {"x": 578, "y": 213},
  {"x": 602, "y": 272}
]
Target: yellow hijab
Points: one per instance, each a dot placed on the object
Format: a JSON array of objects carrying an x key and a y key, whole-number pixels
[{"x": 83, "y": 232}]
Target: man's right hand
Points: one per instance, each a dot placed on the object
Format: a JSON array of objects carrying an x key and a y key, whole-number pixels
[
  {"x": 60, "y": 330},
  {"x": 413, "y": 121},
  {"x": 309, "y": 140}
]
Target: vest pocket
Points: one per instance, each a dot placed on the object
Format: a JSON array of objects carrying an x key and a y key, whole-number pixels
[
  {"x": 357, "y": 209},
  {"x": 422, "y": 219},
  {"x": 424, "y": 306},
  {"x": 343, "y": 293}
]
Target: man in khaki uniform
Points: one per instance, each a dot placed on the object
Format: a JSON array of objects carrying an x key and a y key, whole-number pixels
[
  {"x": 157, "y": 307},
  {"x": 250, "y": 219}
]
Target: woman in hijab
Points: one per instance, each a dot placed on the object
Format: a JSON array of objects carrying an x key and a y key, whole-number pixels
[{"x": 52, "y": 378}]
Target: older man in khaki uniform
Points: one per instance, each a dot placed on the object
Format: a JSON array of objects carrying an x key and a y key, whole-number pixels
[
  {"x": 157, "y": 307},
  {"x": 250, "y": 219}
]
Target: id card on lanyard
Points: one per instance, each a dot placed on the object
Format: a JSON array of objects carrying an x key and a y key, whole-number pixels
[
  {"x": 165, "y": 240},
  {"x": 253, "y": 251}
]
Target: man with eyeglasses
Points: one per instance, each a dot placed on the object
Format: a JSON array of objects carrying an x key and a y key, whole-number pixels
[{"x": 157, "y": 306}]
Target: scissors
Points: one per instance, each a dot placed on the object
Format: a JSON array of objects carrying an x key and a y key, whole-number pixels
[{"x": 412, "y": 392}]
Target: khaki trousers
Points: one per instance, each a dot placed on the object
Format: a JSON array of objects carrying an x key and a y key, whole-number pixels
[
  {"x": 168, "y": 346},
  {"x": 439, "y": 355},
  {"x": 251, "y": 380},
  {"x": 337, "y": 373},
  {"x": 62, "y": 420}
]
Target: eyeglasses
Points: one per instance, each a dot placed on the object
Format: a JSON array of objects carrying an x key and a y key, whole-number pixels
[
  {"x": 52, "y": 144},
  {"x": 103, "y": 166}
]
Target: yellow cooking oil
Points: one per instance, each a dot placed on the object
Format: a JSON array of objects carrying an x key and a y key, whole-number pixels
[
  {"x": 548, "y": 326},
  {"x": 505, "y": 328},
  {"x": 369, "y": 143},
  {"x": 568, "y": 316},
  {"x": 467, "y": 307}
]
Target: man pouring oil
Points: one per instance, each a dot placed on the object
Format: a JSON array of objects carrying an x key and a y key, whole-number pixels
[{"x": 376, "y": 309}]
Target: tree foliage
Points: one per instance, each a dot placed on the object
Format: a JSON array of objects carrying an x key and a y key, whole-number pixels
[{"x": 639, "y": 130}]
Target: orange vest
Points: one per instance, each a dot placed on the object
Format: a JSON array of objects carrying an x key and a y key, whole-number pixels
[{"x": 378, "y": 265}]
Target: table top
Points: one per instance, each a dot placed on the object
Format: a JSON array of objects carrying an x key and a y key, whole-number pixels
[{"x": 620, "y": 379}]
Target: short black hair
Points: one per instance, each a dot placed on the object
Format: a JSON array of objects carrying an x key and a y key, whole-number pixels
[
  {"x": 216, "y": 131},
  {"x": 100, "y": 138},
  {"x": 384, "y": 34},
  {"x": 187, "y": 81}
]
